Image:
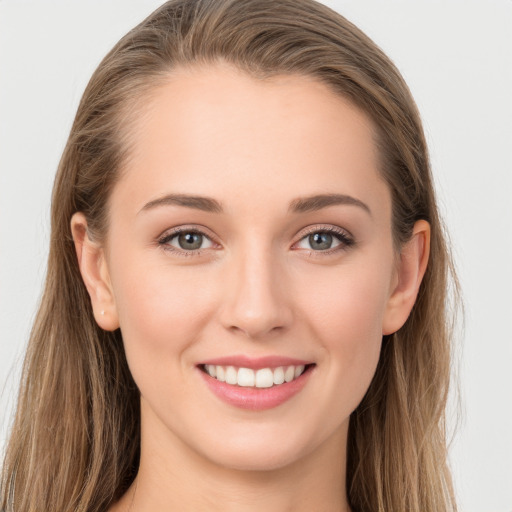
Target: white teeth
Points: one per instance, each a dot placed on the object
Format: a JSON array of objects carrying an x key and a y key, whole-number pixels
[
  {"x": 231, "y": 375},
  {"x": 221, "y": 374},
  {"x": 264, "y": 378},
  {"x": 247, "y": 377},
  {"x": 279, "y": 375},
  {"x": 298, "y": 370},
  {"x": 289, "y": 373}
]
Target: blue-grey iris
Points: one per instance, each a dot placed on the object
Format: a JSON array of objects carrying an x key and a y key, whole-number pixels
[
  {"x": 320, "y": 241},
  {"x": 190, "y": 241}
]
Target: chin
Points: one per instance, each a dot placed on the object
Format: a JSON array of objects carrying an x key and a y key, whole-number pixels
[
  {"x": 261, "y": 460},
  {"x": 259, "y": 452}
]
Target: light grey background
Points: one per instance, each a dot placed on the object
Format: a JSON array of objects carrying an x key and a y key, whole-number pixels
[{"x": 456, "y": 56}]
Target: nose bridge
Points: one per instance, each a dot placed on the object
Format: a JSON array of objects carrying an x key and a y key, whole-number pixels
[{"x": 255, "y": 300}]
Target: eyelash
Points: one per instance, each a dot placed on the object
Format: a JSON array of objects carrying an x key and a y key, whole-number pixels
[
  {"x": 346, "y": 240},
  {"x": 344, "y": 237},
  {"x": 164, "y": 240}
]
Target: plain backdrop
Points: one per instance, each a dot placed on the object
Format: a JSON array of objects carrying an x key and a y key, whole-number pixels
[{"x": 457, "y": 59}]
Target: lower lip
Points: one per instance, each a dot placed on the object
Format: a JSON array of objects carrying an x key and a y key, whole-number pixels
[{"x": 256, "y": 399}]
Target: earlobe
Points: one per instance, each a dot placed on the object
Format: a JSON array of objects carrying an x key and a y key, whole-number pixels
[
  {"x": 94, "y": 270},
  {"x": 411, "y": 269}
]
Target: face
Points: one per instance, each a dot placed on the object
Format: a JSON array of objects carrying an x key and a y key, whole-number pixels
[{"x": 250, "y": 233}]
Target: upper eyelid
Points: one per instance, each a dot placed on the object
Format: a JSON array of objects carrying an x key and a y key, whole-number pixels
[
  {"x": 319, "y": 228},
  {"x": 202, "y": 230},
  {"x": 323, "y": 227}
]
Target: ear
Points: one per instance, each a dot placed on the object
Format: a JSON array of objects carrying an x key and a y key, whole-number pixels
[
  {"x": 93, "y": 267},
  {"x": 411, "y": 268}
]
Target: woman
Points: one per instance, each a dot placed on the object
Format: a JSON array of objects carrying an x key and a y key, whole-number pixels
[{"x": 245, "y": 301}]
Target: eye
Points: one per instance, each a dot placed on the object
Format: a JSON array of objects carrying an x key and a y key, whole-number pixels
[
  {"x": 325, "y": 239},
  {"x": 186, "y": 240}
]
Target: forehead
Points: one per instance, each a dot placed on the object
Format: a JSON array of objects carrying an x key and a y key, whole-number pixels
[{"x": 214, "y": 130}]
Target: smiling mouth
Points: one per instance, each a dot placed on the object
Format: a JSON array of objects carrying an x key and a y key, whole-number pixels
[{"x": 249, "y": 378}]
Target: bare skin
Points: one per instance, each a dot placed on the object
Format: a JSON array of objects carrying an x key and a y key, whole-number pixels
[{"x": 274, "y": 273}]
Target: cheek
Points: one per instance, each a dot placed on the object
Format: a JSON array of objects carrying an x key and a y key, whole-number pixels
[
  {"x": 162, "y": 312},
  {"x": 161, "y": 309},
  {"x": 346, "y": 316},
  {"x": 348, "y": 304}
]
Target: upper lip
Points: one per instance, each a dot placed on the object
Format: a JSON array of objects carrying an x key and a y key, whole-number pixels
[{"x": 255, "y": 363}]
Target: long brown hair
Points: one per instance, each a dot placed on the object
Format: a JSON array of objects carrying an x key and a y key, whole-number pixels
[{"x": 75, "y": 440}]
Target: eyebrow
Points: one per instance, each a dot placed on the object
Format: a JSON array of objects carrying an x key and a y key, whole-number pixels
[
  {"x": 205, "y": 204},
  {"x": 298, "y": 205},
  {"x": 317, "y": 202}
]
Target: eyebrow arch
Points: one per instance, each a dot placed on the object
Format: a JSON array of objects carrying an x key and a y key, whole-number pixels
[
  {"x": 206, "y": 204},
  {"x": 317, "y": 202}
]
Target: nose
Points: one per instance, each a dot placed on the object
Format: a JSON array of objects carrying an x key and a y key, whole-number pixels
[{"x": 257, "y": 302}]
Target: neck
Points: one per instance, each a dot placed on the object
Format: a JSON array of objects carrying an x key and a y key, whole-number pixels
[{"x": 174, "y": 477}]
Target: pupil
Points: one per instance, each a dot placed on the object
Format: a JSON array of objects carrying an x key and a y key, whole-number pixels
[
  {"x": 190, "y": 240},
  {"x": 320, "y": 241}
]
